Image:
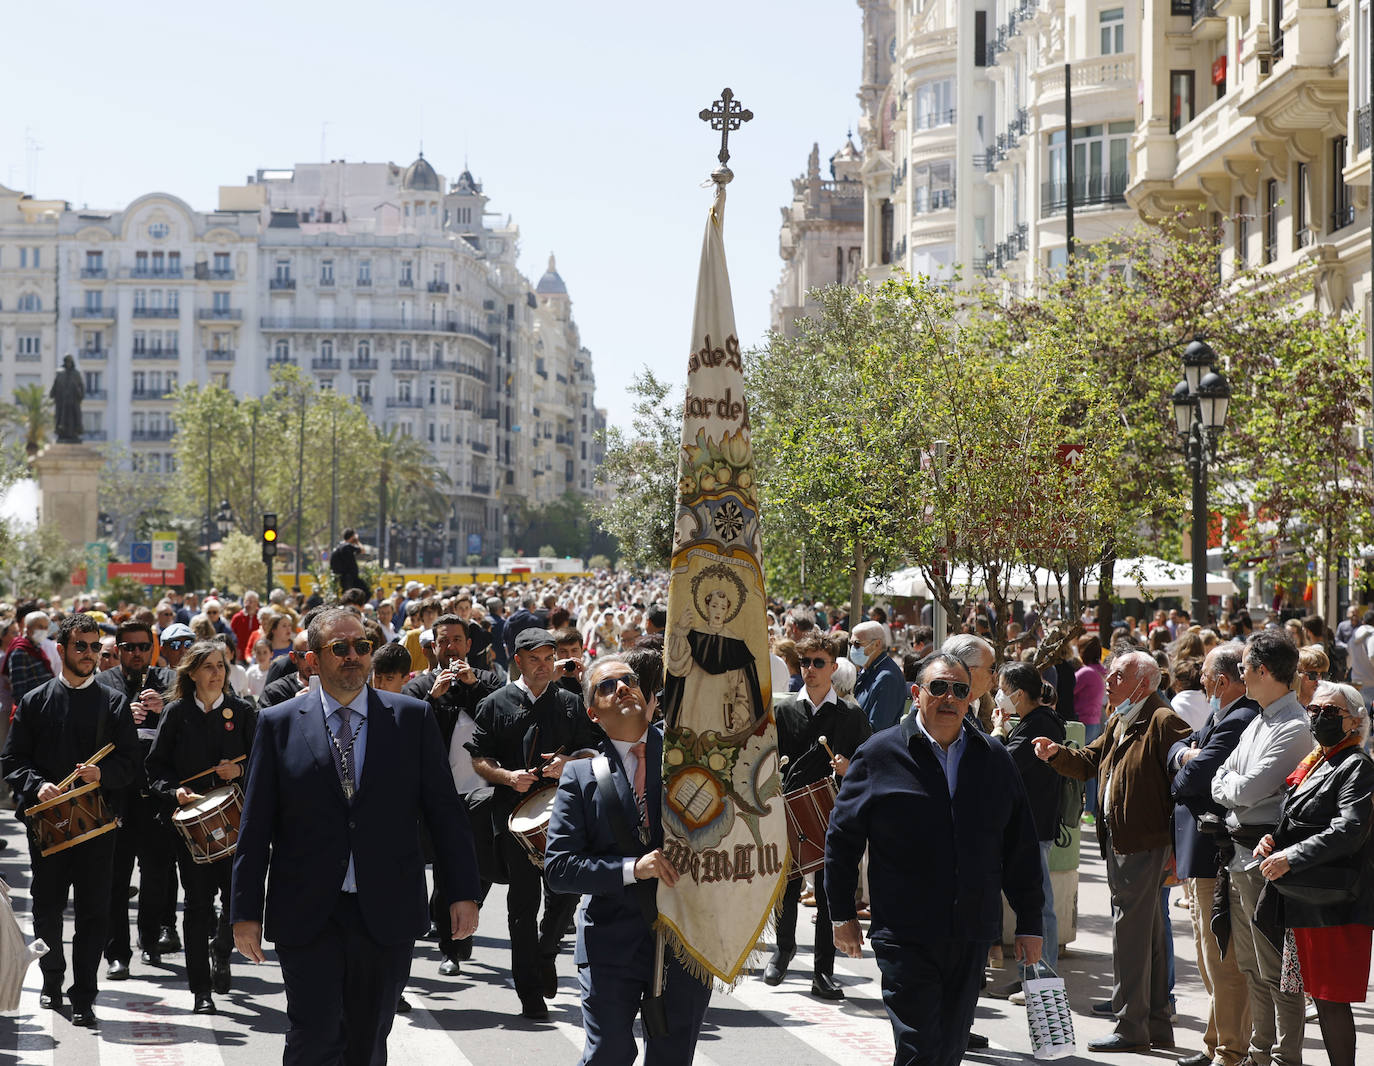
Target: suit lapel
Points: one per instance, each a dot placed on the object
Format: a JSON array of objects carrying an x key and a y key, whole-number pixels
[
  {"x": 623, "y": 785},
  {"x": 317, "y": 738},
  {"x": 381, "y": 740}
]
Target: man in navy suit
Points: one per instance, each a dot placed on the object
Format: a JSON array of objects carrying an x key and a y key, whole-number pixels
[
  {"x": 338, "y": 782},
  {"x": 1194, "y": 762},
  {"x": 615, "y": 943}
]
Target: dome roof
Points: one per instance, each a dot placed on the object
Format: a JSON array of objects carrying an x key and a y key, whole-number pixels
[
  {"x": 551, "y": 284},
  {"x": 420, "y": 176},
  {"x": 466, "y": 183},
  {"x": 847, "y": 152}
]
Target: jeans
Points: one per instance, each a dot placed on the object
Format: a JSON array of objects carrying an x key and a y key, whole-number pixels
[
  {"x": 1091, "y": 733},
  {"x": 1050, "y": 951}
]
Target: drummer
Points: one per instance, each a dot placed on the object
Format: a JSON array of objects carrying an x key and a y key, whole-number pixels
[
  {"x": 57, "y": 726},
  {"x": 525, "y": 732},
  {"x": 202, "y": 744},
  {"x": 804, "y": 719}
]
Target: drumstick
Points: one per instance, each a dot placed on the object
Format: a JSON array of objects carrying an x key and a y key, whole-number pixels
[
  {"x": 66, "y": 782},
  {"x": 826, "y": 746},
  {"x": 203, "y": 773},
  {"x": 782, "y": 763}
]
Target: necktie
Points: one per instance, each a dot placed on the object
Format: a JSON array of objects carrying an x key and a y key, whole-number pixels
[
  {"x": 342, "y": 739},
  {"x": 637, "y": 750}
]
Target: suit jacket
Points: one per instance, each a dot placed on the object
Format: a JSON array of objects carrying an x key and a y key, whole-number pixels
[
  {"x": 1196, "y": 852},
  {"x": 297, "y": 822},
  {"x": 881, "y": 690},
  {"x": 582, "y": 855}
]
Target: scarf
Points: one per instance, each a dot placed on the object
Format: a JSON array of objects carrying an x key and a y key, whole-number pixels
[
  {"x": 24, "y": 644},
  {"x": 1316, "y": 758}
]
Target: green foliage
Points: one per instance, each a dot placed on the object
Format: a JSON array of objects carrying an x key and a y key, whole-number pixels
[
  {"x": 37, "y": 561},
  {"x": 128, "y": 589},
  {"x": 547, "y": 552},
  {"x": 238, "y": 564},
  {"x": 565, "y": 526},
  {"x": 599, "y": 562},
  {"x": 31, "y": 414}
]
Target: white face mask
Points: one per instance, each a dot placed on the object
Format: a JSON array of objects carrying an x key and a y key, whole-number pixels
[
  {"x": 1004, "y": 703},
  {"x": 858, "y": 656},
  {"x": 1214, "y": 704}
]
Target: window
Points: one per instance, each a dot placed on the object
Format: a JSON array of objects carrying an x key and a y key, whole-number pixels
[
  {"x": 30, "y": 302},
  {"x": 173, "y": 298},
  {"x": 95, "y": 262},
  {"x": 158, "y": 230},
  {"x": 980, "y": 38},
  {"x": 92, "y": 381},
  {"x": 30, "y": 346},
  {"x": 222, "y": 263},
  {"x": 281, "y": 351},
  {"x": 1242, "y": 230},
  {"x": 1342, "y": 202},
  {"x": 140, "y": 381},
  {"x": 885, "y": 238},
  {"x": 1271, "y": 220},
  {"x": 432, "y": 429},
  {"x": 1302, "y": 234},
  {"x": 140, "y": 341},
  {"x": 407, "y": 272},
  {"x": 29, "y": 257},
  {"x": 363, "y": 390},
  {"x": 140, "y": 263},
  {"x": 220, "y": 341},
  {"x": 935, "y": 104},
  {"x": 403, "y": 391},
  {"x": 140, "y": 300},
  {"x": 174, "y": 263},
  {"x": 327, "y": 351},
  {"x": 220, "y": 301},
  {"x": 327, "y": 272},
  {"x": 172, "y": 379},
  {"x": 94, "y": 299},
  {"x": 283, "y": 270},
  {"x": 364, "y": 350},
  {"x": 93, "y": 340},
  {"x": 1112, "y": 31},
  {"x": 1180, "y": 99},
  {"x": 404, "y": 352},
  {"x": 364, "y": 271}
]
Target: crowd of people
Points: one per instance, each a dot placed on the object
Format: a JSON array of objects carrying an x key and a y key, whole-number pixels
[{"x": 1227, "y": 761}]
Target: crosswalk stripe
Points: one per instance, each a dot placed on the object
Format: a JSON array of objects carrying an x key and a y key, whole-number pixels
[
  {"x": 422, "y": 1038},
  {"x": 35, "y": 1042}
]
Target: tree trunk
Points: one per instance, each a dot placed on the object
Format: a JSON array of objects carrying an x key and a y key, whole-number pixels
[
  {"x": 1106, "y": 590},
  {"x": 856, "y": 586}
]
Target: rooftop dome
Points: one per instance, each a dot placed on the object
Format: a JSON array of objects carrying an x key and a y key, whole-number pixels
[
  {"x": 847, "y": 152},
  {"x": 420, "y": 176},
  {"x": 551, "y": 284},
  {"x": 466, "y": 183}
]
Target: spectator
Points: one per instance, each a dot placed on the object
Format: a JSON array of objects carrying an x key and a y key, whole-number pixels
[
  {"x": 1361, "y": 655},
  {"x": 881, "y": 690},
  {"x": 256, "y": 674},
  {"x": 1189, "y": 702},
  {"x": 26, "y": 664},
  {"x": 1313, "y": 666},
  {"x": 786, "y": 650}
]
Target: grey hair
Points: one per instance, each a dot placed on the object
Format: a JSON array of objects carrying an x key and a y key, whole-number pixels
[
  {"x": 1149, "y": 669},
  {"x": 1227, "y": 659},
  {"x": 1350, "y": 696},
  {"x": 938, "y": 657},
  {"x": 963, "y": 645},
  {"x": 844, "y": 678},
  {"x": 588, "y": 682}
]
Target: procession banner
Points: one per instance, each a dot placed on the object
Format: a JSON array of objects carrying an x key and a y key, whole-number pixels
[{"x": 724, "y": 823}]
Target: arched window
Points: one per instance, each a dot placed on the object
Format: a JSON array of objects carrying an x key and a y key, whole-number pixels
[
  {"x": 327, "y": 351},
  {"x": 30, "y": 302},
  {"x": 282, "y": 351},
  {"x": 405, "y": 351},
  {"x": 364, "y": 350}
]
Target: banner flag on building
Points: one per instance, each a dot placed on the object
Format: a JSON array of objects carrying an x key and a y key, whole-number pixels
[{"x": 724, "y": 822}]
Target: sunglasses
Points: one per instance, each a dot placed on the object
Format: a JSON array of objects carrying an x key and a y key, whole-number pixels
[
  {"x": 1311, "y": 675},
  {"x": 340, "y": 648},
  {"x": 940, "y": 686},
  {"x": 1316, "y": 709},
  {"x": 607, "y": 686},
  {"x": 80, "y": 646},
  {"x": 177, "y": 643},
  {"x": 819, "y": 664},
  {"x": 129, "y": 645}
]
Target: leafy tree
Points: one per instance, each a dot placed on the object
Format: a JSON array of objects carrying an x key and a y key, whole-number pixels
[
  {"x": 130, "y": 496},
  {"x": 409, "y": 483},
  {"x": 31, "y": 413},
  {"x": 37, "y": 561},
  {"x": 238, "y": 564}
]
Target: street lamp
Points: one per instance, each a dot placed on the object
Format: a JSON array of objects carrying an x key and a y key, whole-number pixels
[
  {"x": 1200, "y": 401},
  {"x": 224, "y": 519}
]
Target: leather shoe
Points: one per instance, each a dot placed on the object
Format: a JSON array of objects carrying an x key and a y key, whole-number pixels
[
  {"x": 1116, "y": 1042},
  {"x": 204, "y": 1005},
  {"x": 1200, "y": 1059},
  {"x": 977, "y": 1041},
  {"x": 83, "y": 1017},
  {"x": 152, "y": 958},
  {"x": 117, "y": 971},
  {"x": 548, "y": 978},
  {"x": 50, "y": 1000},
  {"x": 534, "y": 1009},
  {"x": 824, "y": 986},
  {"x": 1103, "y": 1008},
  {"x": 449, "y": 968},
  {"x": 219, "y": 974},
  {"x": 402, "y": 1005},
  {"x": 463, "y": 949},
  {"x": 776, "y": 969},
  {"x": 168, "y": 942}
]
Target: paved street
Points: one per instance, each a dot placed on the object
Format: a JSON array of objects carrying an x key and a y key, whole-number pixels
[{"x": 471, "y": 1020}]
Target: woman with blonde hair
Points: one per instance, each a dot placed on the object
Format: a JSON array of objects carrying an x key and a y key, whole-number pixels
[{"x": 1313, "y": 666}]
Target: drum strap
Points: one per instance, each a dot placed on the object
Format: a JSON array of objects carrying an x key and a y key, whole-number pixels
[{"x": 620, "y": 828}]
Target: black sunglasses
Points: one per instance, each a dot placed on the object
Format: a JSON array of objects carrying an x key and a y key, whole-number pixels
[
  {"x": 607, "y": 686},
  {"x": 80, "y": 646},
  {"x": 1317, "y": 709},
  {"x": 129, "y": 645},
  {"x": 340, "y": 647},
  {"x": 819, "y": 664},
  {"x": 940, "y": 686}
]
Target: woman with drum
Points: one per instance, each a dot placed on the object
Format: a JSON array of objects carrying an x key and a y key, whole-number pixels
[{"x": 197, "y": 764}]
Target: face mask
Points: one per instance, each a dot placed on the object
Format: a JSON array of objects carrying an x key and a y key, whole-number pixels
[
  {"x": 1005, "y": 704},
  {"x": 1127, "y": 706},
  {"x": 1327, "y": 729},
  {"x": 858, "y": 657},
  {"x": 1214, "y": 705}
]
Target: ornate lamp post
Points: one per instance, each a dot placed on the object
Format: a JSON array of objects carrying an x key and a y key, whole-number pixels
[{"x": 1201, "y": 401}]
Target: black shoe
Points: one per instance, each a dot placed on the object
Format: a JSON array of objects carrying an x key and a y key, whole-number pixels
[
  {"x": 204, "y": 1005},
  {"x": 449, "y": 968},
  {"x": 1003, "y": 991},
  {"x": 152, "y": 958},
  {"x": 977, "y": 1041},
  {"x": 1103, "y": 1008},
  {"x": 462, "y": 949},
  {"x": 534, "y": 1009},
  {"x": 402, "y": 1005},
  {"x": 1200, "y": 1059},
  {"x": 824, "y": 986},
  {"x": 117, "y": 971},
  {"x": 50, "y": 1000},
  {"x": 432, "y": 933},
  {"x": 1116, "y": 1042},
  {"x": 168, "y": 942},
  {"x": 776, "y": 969},
  {"x": 83, "y": 1017},
  {"x": 219, "y": 974},
  {"x": 548, "y": 978}
]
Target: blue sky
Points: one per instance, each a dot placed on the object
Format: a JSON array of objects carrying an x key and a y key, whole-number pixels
[{"x": 579, "y": 119}]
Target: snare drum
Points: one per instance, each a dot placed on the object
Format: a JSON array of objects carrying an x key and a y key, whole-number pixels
[
  {"x": 69, "y": 819},
  {"x": 808, "y": 817},
  {"x": 210, "y": 826},
  {"x": 529, "y": 823}
]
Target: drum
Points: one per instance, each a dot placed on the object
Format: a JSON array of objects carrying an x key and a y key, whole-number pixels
[
  {"x": 808, "y": 817},
  {"x": 70, "y": 819},
  {"x": 529, "y": 823},
  {"x": 210, "y": 826}
]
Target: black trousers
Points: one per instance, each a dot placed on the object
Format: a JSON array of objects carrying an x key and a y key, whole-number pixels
[
  {"x": 202, "y": 881},
  {"x": 341, "y": 991},
  {"x": 484, "y": 844},
  {"x": 532, "y": 939},
  {"x": 930, "y": 992},
  {"x": 787, "y": 925},
  {"x": 140, "y": 837},
  {"x": 83, "y": 871}
]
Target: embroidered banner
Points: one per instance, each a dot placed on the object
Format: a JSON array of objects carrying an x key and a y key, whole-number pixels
[{"x": 724, "y": 824}]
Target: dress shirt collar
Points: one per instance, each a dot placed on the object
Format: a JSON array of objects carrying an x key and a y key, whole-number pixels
[
  {"x": 622, "y": 747},
  {"x": 88, "y": 682},
  {"x": 957, "y": 743},
  {"x": 358, "y": 704},
  {"x": 830, "y": 697},
  {"x": 212, "y": 706}
]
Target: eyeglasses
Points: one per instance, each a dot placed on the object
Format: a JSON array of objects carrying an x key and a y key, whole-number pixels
[
  {"x": 607, "y": 686},
  {"x": 940, "y": 686},
  {"x": 141, "y": 647},
  {"x": 1315, "y": 709},
  {"x": 819, "y": 664},
  {"x": 80, "y": 646},
  {"x": 856, "y": 643},
  {"x": 340, "y": 647},
  {"x": 178, "y": 643}
]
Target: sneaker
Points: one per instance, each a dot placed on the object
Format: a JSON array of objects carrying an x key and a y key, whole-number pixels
[
  {"x": 1088, "y": 819},
  {"x": 1017, "y": 999}
]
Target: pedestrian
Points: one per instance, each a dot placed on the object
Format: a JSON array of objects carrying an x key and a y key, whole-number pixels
[
  {"x": 27, "y": 665},
  {"x": 1360, "y": 653},
  {"x": 881, "y": 689},
  {"x": 343, "y": 561}
]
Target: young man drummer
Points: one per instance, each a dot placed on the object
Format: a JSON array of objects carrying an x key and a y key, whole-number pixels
[
  {"x": 804, "y": 719},
  {"x": 57, "y": 730}
]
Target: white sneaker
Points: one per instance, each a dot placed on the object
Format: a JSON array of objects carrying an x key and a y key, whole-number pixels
[{"x": 1018, "y": 998}]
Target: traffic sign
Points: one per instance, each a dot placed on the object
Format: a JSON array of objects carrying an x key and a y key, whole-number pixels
[
  {"x": 164, "y": 554},
  {"x": 141, "y": 551},
  {"x": 1071, "y": 455}
]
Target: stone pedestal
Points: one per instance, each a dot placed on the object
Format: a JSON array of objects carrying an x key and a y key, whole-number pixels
[{"x": 68, "y": 488}]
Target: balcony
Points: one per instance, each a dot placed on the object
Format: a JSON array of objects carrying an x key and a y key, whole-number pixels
[
  {"x": 155, "y": 273},
  {"x": 1343, "y": 216},
  {"x": 27, "y": 357},
  {"x": 491, "y": 413},
  {"x": 94, "y": 272},
  {"x": 340, "y": 324},
  {"x": 481, "y": 488},
  {"x": 95, "y": 353},
  {"x": 96, "y": 394},
  {"x": 326, "y": 281},
  {"x": 97, "y": 435},
  {"x": 356, "y": 365},
  {"x": 156, "y": 353},
  {"x": 221, "y": 314},
  {"x": 479, "y": 447},
  {"x": 364, "y": 398},
  {"x": 935, "y": 200},
  {"x": 473, "y": 371},
  {"x": 281, "y": 284},
  {"x": 97, "y": 314},
  {"x": 441, "y": 366},
  {"x": 406, "y": 366},
  {"x": 204, "y": 272},
  {"x": 319, "y": 363},
  {"x": 150, "y": 394},
  {"x": 151, "y": 434},
  {"x": 465, "y": 405},
  {"x": 1207, "y": 24},
  {"x": 404, "y": 401},
  {"x": 1362, "y": 127},
  {"x": 157, "y": 312},
  {"x": 277, "y": 360},
  {"x": 1096, "y": 190},
  {"x": 935, "y": 119},
  {"x": 362, "y": 282},
  {"x": 405, "y": 283},
  {"x": 438, "y": 286},
  {"x": 219, "y": 355}
]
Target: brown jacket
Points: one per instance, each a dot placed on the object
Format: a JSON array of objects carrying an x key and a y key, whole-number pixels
[{"x": 1140, "y": 807}]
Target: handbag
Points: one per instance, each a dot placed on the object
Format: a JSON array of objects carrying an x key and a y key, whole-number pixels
[
  {"x": 1047, "y": 1012},
  {"x": 1320, "y": 885}
]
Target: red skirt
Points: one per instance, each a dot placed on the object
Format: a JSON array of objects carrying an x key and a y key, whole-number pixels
[{"x": 1335, "y": 962}]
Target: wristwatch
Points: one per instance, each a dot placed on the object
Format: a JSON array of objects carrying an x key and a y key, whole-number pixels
[{"x": 842, "y": 921}]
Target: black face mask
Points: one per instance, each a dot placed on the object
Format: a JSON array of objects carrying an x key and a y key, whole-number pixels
[{"x": 1328, "y": 728}]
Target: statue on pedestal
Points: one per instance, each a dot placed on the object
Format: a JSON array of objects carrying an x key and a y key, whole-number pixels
[{"x": 67, "y": 392}]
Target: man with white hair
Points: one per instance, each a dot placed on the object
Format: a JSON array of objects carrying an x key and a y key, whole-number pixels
[
  {"x": 1131, "y": 762},
  {"x": 980, "y": 660},
  {"x": 881, "y": 689}
]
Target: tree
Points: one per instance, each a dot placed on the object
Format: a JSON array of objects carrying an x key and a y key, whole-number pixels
[
  {"x": 37, "y": 561},
  {"x": 409, "y": 483},
  {"x": 129, "y": 496},
  {"x": 238, "y": 564},
  {"x": 31, "y": 413}
]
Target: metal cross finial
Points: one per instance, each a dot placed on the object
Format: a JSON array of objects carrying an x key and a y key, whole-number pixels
[{"x": 725, "y": 115}]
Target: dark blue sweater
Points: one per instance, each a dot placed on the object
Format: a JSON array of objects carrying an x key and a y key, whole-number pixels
[{"x": 937, "y": 867}]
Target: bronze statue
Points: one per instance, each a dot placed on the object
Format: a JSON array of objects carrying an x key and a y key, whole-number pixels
[{"x": 67, "y": 392}]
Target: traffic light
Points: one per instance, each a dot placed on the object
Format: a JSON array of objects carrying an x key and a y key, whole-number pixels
[{"x": 269, "y": 536}]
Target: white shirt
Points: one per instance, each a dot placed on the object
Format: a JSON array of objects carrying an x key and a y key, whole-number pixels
[
  {"x": 1361, "y": 653},
  {"x": 465, "y": 778},
  {"x": 805, "y": 699},
  {"x": 627, "y": 760},
  {"x": 780, "y": 675},
  {"x": 1191, "y": 705}
]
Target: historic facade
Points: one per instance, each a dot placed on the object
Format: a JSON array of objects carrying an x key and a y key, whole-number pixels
[{"x": 28, "y": 291}]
